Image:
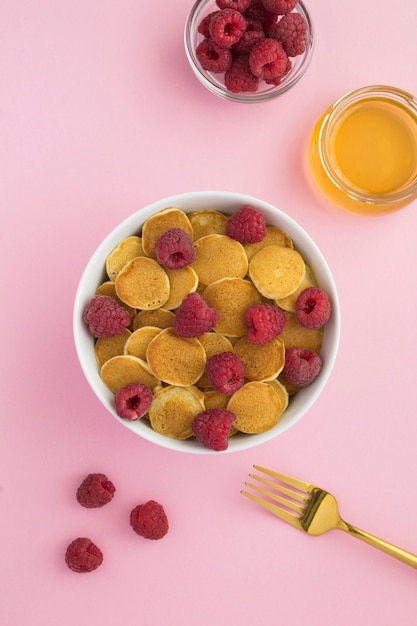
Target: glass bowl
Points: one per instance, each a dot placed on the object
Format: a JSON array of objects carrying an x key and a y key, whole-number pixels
[
  {"x": 363, "y": 150},
  {"x": 214, "y": 81},
  {"x": 227, "y": 202}
]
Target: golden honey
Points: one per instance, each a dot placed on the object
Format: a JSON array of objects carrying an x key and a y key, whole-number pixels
[{"x": 363, "y": 151}]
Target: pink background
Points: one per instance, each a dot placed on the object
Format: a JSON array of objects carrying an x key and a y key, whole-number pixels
[{"x": 100, "y": 115}]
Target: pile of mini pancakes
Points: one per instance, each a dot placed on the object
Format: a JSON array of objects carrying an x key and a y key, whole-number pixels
[{"x": 231, "y": 277}]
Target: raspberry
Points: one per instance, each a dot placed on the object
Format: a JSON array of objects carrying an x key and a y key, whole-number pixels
[
  {"x": 149, "y": 520},
  {"x": 105, "y": 317},
  {"x": 194, "y": 317},
  {"x": 95, "y": 491},
  {"x": 264, "y": 323},
  {"x": 174, "y": 249},
  {"x": 278, "y": 79},
  {"x": 212, "y": 57},
  {"x": 227, "y": 27},
  {"x": 312, "y": 308},
  {"x": 239, "y": 78},
  {"x": 279, "y": 7},
  {"x": 291, "y": 32},
  {"x": 225, "y": 372},
  {"x": 267, "y": 59},
  {"x": 212, "y": 428},
  {"x": 246, "y": 225},
  {"x": 301, "y": 366},
  {"x": 133, "y": 401},
  {"x": 83, "y": 556},
  {"x": 257, "y": 11},
  {"x": 238, "y": 5},
  {"x": 253, "y": 33},
  {"x": 204, "y": 25}
]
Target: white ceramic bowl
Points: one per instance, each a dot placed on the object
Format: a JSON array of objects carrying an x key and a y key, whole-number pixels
[{"x": 227, "y": 202}]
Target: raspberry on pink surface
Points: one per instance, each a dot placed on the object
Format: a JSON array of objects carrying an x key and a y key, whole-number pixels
[
  {"x": 149, "y": 520},
  {"x": 133, "y": 401},
  {"x": 212, "y": 428},
  {"x": 264, "y": 322},
  {"x": 279, "y": 7},
  {"x": 291, "y": 32},
  {"x": 227, "y": 27},
  {"x": 105, "y": 317},
  {"x": 267, "y": 59},
  {"x": 246, "y": 225},
  {"x": 194, "y": 317},
  {"x": 212, "y": 57},
  {"x": 83, "y": 556},
  {"x": 239, "y": 78},
  {"x": 174, "y": 249},
  {"x": 225, "y": 372},
  {"x": 301, "y": 366},
  {"x": 95, "y": 491},
  {"x": 313, "y": 308}
]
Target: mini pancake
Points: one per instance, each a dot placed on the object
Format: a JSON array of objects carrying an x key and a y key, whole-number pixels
[
  {"x": 288, "y": 303},
  {"x": 218, "y": 256},
  {"x": 121, "y": 370},
  {"x": 143, "y": 284},
  {"x": 138, "y": 342},
  {"x": 155, "y": 317},
  {"x": 231, "y": 297},
  {"x": 109, "y": 289},
  {"x": 207, "y": 222},
  {"x": 157, "y": 224},
  {"x": 257, "y": 407},
  {"x": 213, "y": 343},
  {"x": 182, "y": 282},
  {"x": 124, "y": 252},
  {"x": 275, "y": 236},
  {"x": 276, "y": 271},
  {"x": 262, "y": 362},
  {"x": 107, "y": 347},
  {"x": 296, "y": 336},
  {"x": 281, "y": 390},
  {"x": 176, "y": 360},
  {"x": 215, "y": 400},
  {"x": 173, "y": 410}
]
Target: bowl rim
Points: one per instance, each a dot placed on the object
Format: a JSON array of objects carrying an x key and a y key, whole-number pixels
[
  {"x": 209, "y": 81},
  {"x": 189, "y": 202}
]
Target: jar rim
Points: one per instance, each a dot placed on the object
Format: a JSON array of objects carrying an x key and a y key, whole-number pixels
[{"x": 331, "y": 118}]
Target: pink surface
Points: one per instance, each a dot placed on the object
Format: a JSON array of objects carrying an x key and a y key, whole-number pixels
[{"x": 100, "y": 115}]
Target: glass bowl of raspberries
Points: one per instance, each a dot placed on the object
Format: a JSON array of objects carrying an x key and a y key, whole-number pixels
[
  {"x": 249, "y": 50},
  {"x": 207, "y": 322}
]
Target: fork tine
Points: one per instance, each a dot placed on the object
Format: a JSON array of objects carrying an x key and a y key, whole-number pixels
[
  {"x": 298, "y": 508},
  {"x": 298, "y": 484},
  {"x": 294, "y": 495},
  {"x": 286, "y": 516}
]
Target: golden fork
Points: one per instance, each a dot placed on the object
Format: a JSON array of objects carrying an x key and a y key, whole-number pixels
[{"x": 312, "y": 510}]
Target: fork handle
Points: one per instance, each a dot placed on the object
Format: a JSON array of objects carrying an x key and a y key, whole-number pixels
[{"x": 388, "y": 548}]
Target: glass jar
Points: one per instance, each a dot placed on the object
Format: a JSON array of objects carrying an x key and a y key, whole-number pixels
[{"x": 363, "y": 151}]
